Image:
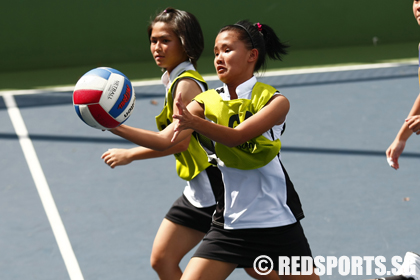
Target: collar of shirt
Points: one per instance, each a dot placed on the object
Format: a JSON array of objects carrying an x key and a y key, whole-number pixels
[
  {"x": 243, "y": 91},
  {"x": 167, "y": 79}
]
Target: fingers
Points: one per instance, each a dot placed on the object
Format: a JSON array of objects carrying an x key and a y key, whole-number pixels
[
  {"x": 392, "y": 163},
  {"x": 176, "y": 133},
  {"x": 393, "y": 153},
  {"x": 388, "y": 152},
  {"x": 181, "y": 107},
  {"x": 179, "y": 103},
  {"x": 413, "y": 123},
  {"x": 108, "y": 158},
  {"x": 396, "y": 164}
]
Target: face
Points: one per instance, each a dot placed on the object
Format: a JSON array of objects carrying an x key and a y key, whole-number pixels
[
  {"x": 416, "y": 10},
  {"x": 232, "y": 58},
  {"x": 166, "y": 47}
]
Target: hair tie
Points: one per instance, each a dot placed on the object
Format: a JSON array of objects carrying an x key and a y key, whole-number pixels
[
  {"x": 259, "y": 26},
  {"x": 165, "y": 11}
]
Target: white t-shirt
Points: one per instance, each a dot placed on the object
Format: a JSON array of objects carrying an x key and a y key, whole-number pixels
[
  {"x": 257, "y": 198},
  {"x": 198, "y": 191}
]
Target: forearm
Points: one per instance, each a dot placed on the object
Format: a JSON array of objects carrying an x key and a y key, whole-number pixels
[
  {"x": 141, "y": 153},
  {"x": 159, "y": 141},
  {"x": 415, "y": 110},
  {"x": 227, "y": 136},
  {"x": 405, "y": 132}
]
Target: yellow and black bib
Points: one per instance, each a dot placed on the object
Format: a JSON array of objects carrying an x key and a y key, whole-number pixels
[
  {"x": 194, "y": 160},
  {"x": 256, "y": 152}
]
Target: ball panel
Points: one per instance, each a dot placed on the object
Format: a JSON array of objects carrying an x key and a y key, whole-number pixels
[
  {"x": 103, "y": 72},
  {"x": 86, "y": 96},
  {"x": 123, "y": 100},
  {"x": 128, "y": 110},
  {"x": 91, "y": 82},
  {"x": 112, "y": 91},
  {"x": 86, "y": 116},
  {"x": 112, "y": 70},
  {"x": 77, "y": 108},
  {"x": 102, "y": 117}
]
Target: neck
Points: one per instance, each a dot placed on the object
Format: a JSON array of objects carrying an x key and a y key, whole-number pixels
[
  {"x": 232, "y": 87},
  {"x": 170, "y": 69},
  {"x": 232, "y": 92}
]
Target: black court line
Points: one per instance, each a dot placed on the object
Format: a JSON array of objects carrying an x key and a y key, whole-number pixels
[
  {"x": 343, "y": 152},
  {"x": 39, "y": 137},
  {"x": 288, "y": 149},
  {"x": 59, "y": 98}
]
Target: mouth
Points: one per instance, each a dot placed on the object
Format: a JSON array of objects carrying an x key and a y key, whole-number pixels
[{"x": 220, "y": 69}]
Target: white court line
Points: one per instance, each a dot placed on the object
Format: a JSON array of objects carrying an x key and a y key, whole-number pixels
[
  {"x": 43, "y": 189},
  {"x": 325, "y": 69}
]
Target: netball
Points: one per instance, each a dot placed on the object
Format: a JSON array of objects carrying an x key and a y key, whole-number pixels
[{"x": 104, "y": 98}]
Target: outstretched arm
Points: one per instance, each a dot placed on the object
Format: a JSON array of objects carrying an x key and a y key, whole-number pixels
[
  {"x": 273, "y": 113},
  {"x": 116, "y": 157},
  {"x": 154, "y": 144},
  {"x": 412, "y": 123}
]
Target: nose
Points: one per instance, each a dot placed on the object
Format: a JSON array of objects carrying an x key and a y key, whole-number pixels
[
  {"x": 218, "y": 59},
  {"x": 158, "y": 46}
]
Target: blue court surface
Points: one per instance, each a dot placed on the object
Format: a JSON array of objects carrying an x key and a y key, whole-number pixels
[{"x": 66, "y": 215}]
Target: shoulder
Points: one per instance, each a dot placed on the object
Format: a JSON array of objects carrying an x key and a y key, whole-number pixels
[
  {"x": 279, "y": 99},
  {"x": 191, "y": 79},
  {"x": 187, "y": 81},
  {"x": 189, "y": 89}
]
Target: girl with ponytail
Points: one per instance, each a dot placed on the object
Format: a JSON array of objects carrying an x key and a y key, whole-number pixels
[{"x": 259, "y": 212}]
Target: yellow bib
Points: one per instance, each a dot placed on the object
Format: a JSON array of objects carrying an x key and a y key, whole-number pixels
[
  {"x": 256, "y": 152},
  {"x": 191, "y": 162}
]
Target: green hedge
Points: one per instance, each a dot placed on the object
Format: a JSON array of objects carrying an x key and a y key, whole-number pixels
[{"x": 56, "y": 34}]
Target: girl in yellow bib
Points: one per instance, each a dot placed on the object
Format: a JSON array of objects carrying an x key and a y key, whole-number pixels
[
  {"x": 259, "y": 210},
  {"x": 176, "y": 43}
]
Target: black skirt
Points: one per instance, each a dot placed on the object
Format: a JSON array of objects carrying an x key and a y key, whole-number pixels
[
  {"x": 243, "y": 246},
  {"x": 184, "y": 213}
]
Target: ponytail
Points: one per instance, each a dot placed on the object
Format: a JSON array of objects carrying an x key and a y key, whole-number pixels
[{"x": 261, "y": 37}]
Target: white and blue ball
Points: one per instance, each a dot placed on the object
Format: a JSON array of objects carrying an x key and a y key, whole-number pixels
[{"x": 104, "y": 98}]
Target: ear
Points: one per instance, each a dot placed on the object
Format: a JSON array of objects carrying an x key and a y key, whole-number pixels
[{"x": 253, "y": 55}]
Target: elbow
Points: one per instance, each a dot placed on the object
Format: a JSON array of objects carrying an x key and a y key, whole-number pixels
[
  {"x": 236, "y": 140},
  {"x": 183, "y": 145},
  {"x": 232, "y": 145},
  {"x": 235, "y": 143},
  {"x": 160, "y": 145},
  {"x": 176, "y": 147}
]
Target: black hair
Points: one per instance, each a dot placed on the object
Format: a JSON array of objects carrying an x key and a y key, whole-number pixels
[
  {"x": 261, "y": 37},
  {"x": 186, "y": 26}
]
